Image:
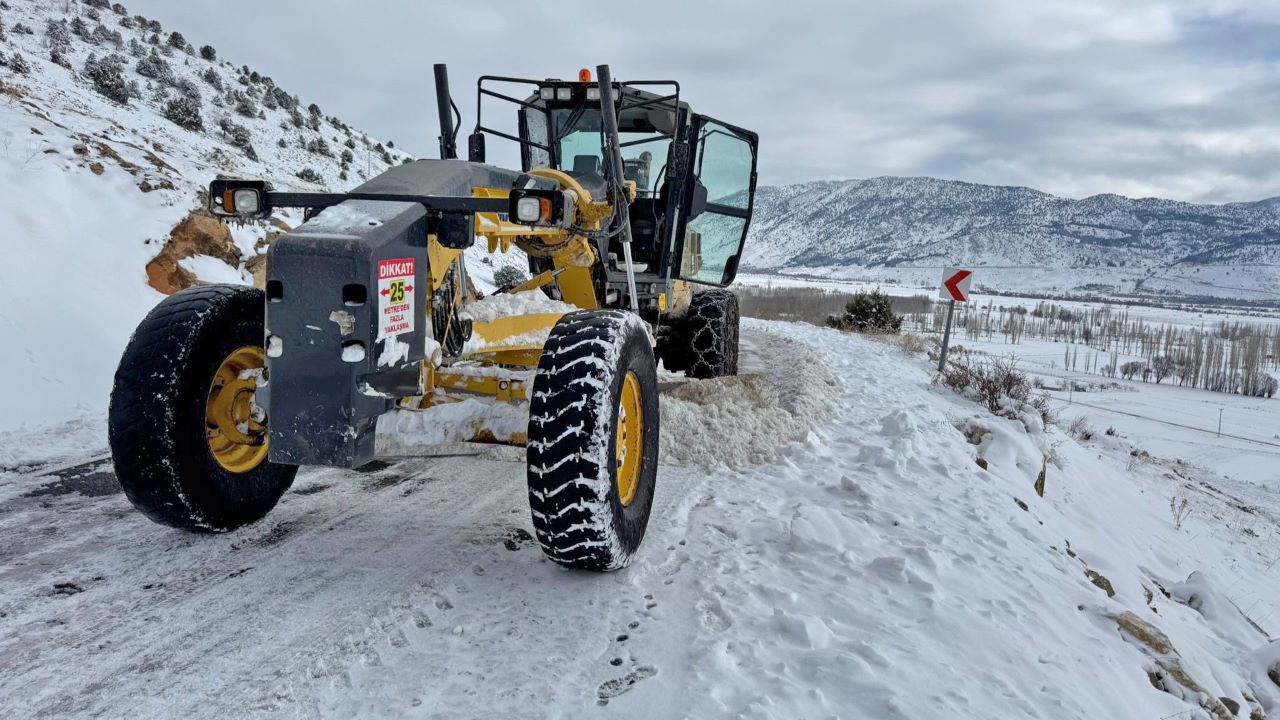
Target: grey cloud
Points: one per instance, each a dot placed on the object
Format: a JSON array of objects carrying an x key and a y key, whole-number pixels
[{"x": 1075, "y": 97}]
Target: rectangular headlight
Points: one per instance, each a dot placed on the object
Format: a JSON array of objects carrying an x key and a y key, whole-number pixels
[
  {"x": 529, "y": 209},
  {"x": 593, "y": 93},
  {"x": 246, "y": 201},
  {"x": 239, "y": 198},
  {"x": 547, "y": 92},
  {"x": 564, "y": 94}
]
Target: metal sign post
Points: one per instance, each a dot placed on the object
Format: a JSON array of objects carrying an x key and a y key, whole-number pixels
[{"x": 955, "y": 288}]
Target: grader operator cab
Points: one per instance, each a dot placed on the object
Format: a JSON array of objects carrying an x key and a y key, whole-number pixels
[{"x": 625, "y": 201}]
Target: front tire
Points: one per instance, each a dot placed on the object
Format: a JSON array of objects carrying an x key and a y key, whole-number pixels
[
  {"x": 185, "y": 447},
  {"x": 593, "y": 440},
  {"x": 703, "y": 343}
]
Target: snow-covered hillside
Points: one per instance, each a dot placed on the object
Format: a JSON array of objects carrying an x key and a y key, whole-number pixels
[
  {"x": 855, "y": 561},
  {"x": 102, "y": 153},
  {"x": 1028, "y": 239}
]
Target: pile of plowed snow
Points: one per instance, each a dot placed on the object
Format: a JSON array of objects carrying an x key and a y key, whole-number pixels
[{"x": 783, "y": 389}]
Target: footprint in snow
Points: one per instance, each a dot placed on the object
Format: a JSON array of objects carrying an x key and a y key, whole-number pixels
[
  {"x": 610, "y": 689},
  {"x": 517, "y": 538}
]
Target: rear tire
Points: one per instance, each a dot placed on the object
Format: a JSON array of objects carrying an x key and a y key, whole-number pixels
[
  {"x": 590, "y": 506},
  {"x": 157, "y": 420},
  {"x": 703, "y": 343}
]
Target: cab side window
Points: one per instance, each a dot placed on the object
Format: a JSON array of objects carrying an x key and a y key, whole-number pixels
[{"x": 724, "y": 163}]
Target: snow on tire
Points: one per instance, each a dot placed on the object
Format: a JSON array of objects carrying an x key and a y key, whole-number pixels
[
  {"x": 157, "y": 421},
  {"x": 593, "y": 440},
  {"x": 704, "y": 341}
]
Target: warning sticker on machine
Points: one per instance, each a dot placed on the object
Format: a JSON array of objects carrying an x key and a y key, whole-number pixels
[{"x": 395, "y": 296}]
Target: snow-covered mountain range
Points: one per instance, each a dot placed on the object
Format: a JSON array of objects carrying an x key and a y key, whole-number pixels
[{"x": 898, "y": 223}]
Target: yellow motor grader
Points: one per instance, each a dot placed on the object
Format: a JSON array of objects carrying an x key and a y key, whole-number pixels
[{"x": 626, "y": 201}]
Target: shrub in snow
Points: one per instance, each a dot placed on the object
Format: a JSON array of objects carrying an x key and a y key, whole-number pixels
[
  {"x": 296, "y": 118},
  {"x": 136, "y": 48},
  {"x": 213, "y": 78},
  {"x": 2, "y": 35},
  {"x": 126, "y": 22},
  {"x": 208, "y": 53},
  {"x": 154, "y": 39},
  {"x": 996, "y": 384},
  {"x": 1131, "y": 369},
  {"x": 103, "y": 4},
  {"x": 309, "y": 175},
  {"x": 184, "y": 111},
  {"x": 119, "y": 9},
  {"x": 282, "y": 143},
  {"x": 347, "y": 156},
  {"x": 21, "y": 29},
  {"x": 1080, "y": 429},
  {"x": 245, "y": 105},
  {"x": 58, "y": 34},
  {"x": 59, "y": 57},
  {"x": 108, "y": 77},
  {"x": 319, "y": 147},
  {"x": 867, "y": 312},
  {"x": 351, "y": 143},
  {"x": 188, "y": 88},
  {"x": 508, "y": 276},
  {"x": 284, "y": 99},
  {"x": 913, "y": 344},
  {"x": 342, "y": 175},
  {"x": 237, "y": 133},
  {"x": 18, "y": 63},
  {"x": 79, "y": 27},
  {"x": 176, "y": 40},
  {"x": 155, "y": 67},
  {"x": 269, "y": 101}
]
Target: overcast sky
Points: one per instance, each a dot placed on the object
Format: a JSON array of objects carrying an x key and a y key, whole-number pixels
[{"x": 1074, "y": 97}]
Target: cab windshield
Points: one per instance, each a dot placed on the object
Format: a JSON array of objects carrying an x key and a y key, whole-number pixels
[{"x": 577, "y": 142}]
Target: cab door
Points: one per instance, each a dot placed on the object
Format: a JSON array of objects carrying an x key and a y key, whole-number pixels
[{"x": 722, "y": 186}]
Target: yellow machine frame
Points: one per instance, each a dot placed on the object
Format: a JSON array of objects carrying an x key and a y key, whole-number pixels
[{"x": 572, "y": 259}]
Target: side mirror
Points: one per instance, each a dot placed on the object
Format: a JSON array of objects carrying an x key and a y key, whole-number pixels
[
  {"x": 698, "y": 201},
  {"x": 475, "y": 147},
  {"x": 239, "y": 198}
]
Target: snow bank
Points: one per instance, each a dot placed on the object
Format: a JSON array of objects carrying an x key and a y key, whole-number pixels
[
  {"x": 401, "y": 431},
  {"x": 784, "y": 389}
]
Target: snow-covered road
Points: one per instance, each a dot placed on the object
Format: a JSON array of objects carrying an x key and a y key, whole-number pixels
[{"x": 870, "y": 568}]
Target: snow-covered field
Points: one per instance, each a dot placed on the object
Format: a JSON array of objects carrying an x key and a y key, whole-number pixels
[
  {"x": 926, "y": 283},
  {"x": 866, "y": 566}
]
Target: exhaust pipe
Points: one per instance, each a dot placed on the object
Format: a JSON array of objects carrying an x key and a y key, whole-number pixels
[{"x": 444, "y": 104}]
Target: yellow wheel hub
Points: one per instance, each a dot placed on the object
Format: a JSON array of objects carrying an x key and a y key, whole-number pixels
[
  {"x": 630, "y": 439},
  {"x": 237, "y": 439}
]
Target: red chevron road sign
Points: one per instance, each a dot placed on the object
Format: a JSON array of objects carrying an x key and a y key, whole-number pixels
[{"x": 955, "y": 284}]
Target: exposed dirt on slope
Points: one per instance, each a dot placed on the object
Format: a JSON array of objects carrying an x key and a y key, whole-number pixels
[{"x": 198, "y": 234}]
